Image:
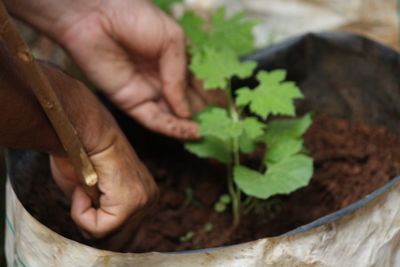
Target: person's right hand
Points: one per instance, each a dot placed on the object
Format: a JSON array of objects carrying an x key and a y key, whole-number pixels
[{"x": 126, "y": 186}]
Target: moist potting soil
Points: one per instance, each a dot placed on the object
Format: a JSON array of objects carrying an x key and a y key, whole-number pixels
[{"x": 351, "y": 161}]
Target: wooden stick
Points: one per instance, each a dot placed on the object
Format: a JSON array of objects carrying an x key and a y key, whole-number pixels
[{"x": 50, "y": 103}]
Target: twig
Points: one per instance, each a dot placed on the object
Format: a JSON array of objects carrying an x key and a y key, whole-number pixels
[{"x": 50, "y": 103}]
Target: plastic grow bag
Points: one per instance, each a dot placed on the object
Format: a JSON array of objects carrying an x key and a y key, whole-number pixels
[{"x": 342, "y": 75}]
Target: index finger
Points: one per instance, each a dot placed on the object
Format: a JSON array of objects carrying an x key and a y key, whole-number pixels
[{"x": 173, "y": 73}]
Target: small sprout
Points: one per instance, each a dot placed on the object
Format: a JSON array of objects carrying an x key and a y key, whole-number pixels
[
  {"x": 219, "y": 207},
  {"x": 223, "y": 201},
  {"x": 190, "y": 198},
  {"x": 208, "y": 227},
  {"x": 225, "y": 198},
  {"x": 186, "y": 237}
]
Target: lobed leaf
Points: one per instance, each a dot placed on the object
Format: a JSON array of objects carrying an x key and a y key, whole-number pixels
[
  {"x": 217, "y": 67},
  {"x": 287, "y": 128},
  {"x": 284, "y": 137},
  {"x": 216, "y": 122},
  {"x": 210, "y": 147},
  {"x": 246, "y": 144},
  {"x": 283, "y": 177},
  {"x": 252, "y": 127},
  {"x": 234, "y": 33},
  {"x": 192, "y": 25},
  {"x": 271, "y": 96},
  {"x": 252, "y": 130},
  {"x": 282, "y": 149}
]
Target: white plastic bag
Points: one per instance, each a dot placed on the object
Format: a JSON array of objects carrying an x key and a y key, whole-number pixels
[{"x": 370, "y": 236}]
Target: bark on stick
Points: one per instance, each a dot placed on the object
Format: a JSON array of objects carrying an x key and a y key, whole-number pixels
[{"x": 40, "y": 85}]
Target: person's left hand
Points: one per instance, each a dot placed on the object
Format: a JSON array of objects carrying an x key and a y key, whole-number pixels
[{"x": 136, "y": 54}]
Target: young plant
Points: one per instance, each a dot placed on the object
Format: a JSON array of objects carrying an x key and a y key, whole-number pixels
[
  {"x": 186, "y": 237},
  {"x": 215, "y": 48},
  {"x": 223, "y": 201}
]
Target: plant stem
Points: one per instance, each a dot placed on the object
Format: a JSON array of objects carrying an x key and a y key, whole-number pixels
[
  {"x": 233, "y": 190},
  {"x": 248, "y": 200},
  {"x": 251, "y": 204}
]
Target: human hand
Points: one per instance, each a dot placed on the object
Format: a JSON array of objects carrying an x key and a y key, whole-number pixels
[
  {"x": 136, "y": 54},
  {"x": 132, "y": 50},
  {"x": 126, "y": 186}
]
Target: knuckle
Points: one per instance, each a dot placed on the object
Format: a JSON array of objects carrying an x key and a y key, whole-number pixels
[
  {"x": 147, "y": 195},
  {"x": 178, "y": 33},
  {"x": 176, "y": 37}
]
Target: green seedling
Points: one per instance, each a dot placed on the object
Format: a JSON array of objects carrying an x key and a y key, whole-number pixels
[
  {"x": 187, "y": 237},
  {"x": 208, "y": 227},
  {"x": 216, "y": 47},
  {"x": 190, "y": 198},
  {"x": 225, "y": 198},
  {"x": 221, "y": 204},
  {"x": 219, "y": 207}
]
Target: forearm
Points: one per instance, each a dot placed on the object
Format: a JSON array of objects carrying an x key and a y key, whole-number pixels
[
  {"x": 23, "y": 123},
  {"x": 51, "y": 16}
]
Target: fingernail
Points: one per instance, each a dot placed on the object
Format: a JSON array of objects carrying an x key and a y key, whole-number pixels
[{"x": 193, "y": 132}]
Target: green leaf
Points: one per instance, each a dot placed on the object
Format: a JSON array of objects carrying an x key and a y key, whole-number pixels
[
  {"x": 282, "y": 149},
  {"x": 272, "y": 78},
  {"x": 287, "y": 128},
  {"x": 244, "y": 96},
  {"x": 225, "y": 198},
  {"x": 186, "y": 237},
  {"x": 216, "y": 122},
  {"x": 192, "y": 25},
  {"x": 283, "y": 177},
  {"x": 208, "y": 227},
  {"x": 210, "y": 147},
  {"x": 219, "y": 207},
  {"x": 246, "y": 144},
  {"x": 252, "y": 127},
  {"x": 284, "y": 137},
  {"x": 292, "y": 173},
  {"x": 217, "y": 67},
  {"x": 271, "y": 96},
  {"x": 234, "y": 33},
  {"x": 206, "y": 109},
  {"x": 166, "y": 4}
]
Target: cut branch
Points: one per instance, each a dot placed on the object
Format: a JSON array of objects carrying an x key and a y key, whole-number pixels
[{"x": 40, "y": 85}]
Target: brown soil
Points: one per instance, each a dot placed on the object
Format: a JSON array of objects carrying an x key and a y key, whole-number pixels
[{"x": 350, "y": 162}]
